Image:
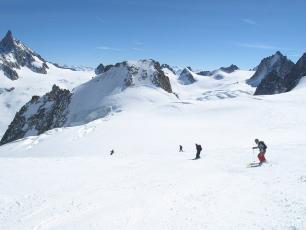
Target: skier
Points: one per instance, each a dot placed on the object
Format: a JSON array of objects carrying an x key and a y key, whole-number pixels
[
  {"x": 199, "y": 149},
  {"x": 262, "y": 151},
  {"x": 181, "y": 149},
  {"x": 112, "y": 152}
]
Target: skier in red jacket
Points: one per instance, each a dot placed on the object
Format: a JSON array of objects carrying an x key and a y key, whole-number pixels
[{"x": 262, "y": 150}]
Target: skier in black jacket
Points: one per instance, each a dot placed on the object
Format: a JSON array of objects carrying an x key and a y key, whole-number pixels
[
  {"x": 199, "y": 149},
  {"x": 262, "y": 150}
]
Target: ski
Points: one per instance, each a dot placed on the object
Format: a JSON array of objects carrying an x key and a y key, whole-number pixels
[
  {"x": 251, "y": 165},
  {"x": 196, "y": 158}
]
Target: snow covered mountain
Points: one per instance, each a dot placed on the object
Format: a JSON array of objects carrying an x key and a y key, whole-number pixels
[
  {"x": 117, "y": 88},
  {"x": 275, "y": 83},
  {"x": 24, "y": 73},
  {"x": 92, "y": 100},
  {"x": 187, "y": 76},
  {"x": 277, "y": 63},
  {"x": 14, "y": 55}
]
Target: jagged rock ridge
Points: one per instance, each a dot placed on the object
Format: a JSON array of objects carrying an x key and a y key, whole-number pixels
[
  {"x": 14, "y": 55},
  {"x": 275, "y": 83},
  {"x": 229, "y": 69},
  {"x": 39, "y": 115},
  {"x": 277, "y": 63}
]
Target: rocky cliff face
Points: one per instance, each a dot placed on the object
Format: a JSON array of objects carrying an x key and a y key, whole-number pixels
[
  {"x": 275, "y": 83},
  {"x": 100, "y": 69},
  {"x": 271, "y": 84},
  {"x": 39, "y": 115},
  {"x": 277, "y": 63},
  {"x": 145, "y": 71},
  {"x": 186, "y": 77},
  {"x": 297, "y": 72},
  {"x": 14, "y": 55}
]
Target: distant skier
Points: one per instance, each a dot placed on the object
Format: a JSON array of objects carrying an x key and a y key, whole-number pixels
[
  {"x": 112, "y": 152},
  {"x": 181, "y": 149},
  {"x": 262, "y": 151},
  {"x": 199, "y": 149}
]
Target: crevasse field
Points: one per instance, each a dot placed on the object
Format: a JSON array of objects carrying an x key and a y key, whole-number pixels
[{"x": 66, "y": 178}]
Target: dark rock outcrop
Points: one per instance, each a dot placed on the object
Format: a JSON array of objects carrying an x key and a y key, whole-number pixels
[
  {"x": 186, "y": 77},
  {"x": 39, "y": 115},
  {"x": 271, "y": 84},
  {"x": 158, "y": 77},
  {"x": 100, "y": 69},
  {"x": 9, "y": 72},
  {"x": 229, "y": 69},
  {"x": 205, "y": 73},
  {"x": 275, "y": 83},
  {"x": 168, "y": 67},
  {"x": 277, "y": 63},
  {"x": 295, "y": 75},
  {"x": 7, "y": 43}
]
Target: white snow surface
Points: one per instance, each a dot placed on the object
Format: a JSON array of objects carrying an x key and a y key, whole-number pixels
[
  {"x": 66, "y": 179},
  {"x": 37, "y": 63},
  {"x": 30, "y": 84}
]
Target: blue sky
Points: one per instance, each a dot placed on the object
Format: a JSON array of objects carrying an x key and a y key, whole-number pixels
[{"x": 201, "y": 34}]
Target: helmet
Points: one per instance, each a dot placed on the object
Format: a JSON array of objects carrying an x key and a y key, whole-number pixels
[{"x": 256, "y": 140}]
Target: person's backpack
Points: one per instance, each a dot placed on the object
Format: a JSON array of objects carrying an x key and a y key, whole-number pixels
[
  {"x": 264, "y": 146},
  {"x": 200, "y": 147}
]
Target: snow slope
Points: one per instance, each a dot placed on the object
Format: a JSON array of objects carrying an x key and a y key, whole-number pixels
[
  {"x": 14, "y": 94},
  {"x": 66, "y": 179}
]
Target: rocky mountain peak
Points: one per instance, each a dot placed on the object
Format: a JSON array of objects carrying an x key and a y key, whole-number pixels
[
  {"x": 146, "y": 71},
  {"x": 283, "y": 76},
  {"x": 8, "y": 42},
  {"x": 186, "y": 77},
  {"x": 278, "y": 63},
  {"x": 100, "y": 69},
  {"x": 14, "y": 55}
]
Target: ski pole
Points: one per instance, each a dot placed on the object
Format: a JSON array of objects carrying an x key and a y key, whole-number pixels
[{"x": 253, "y": 156}]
